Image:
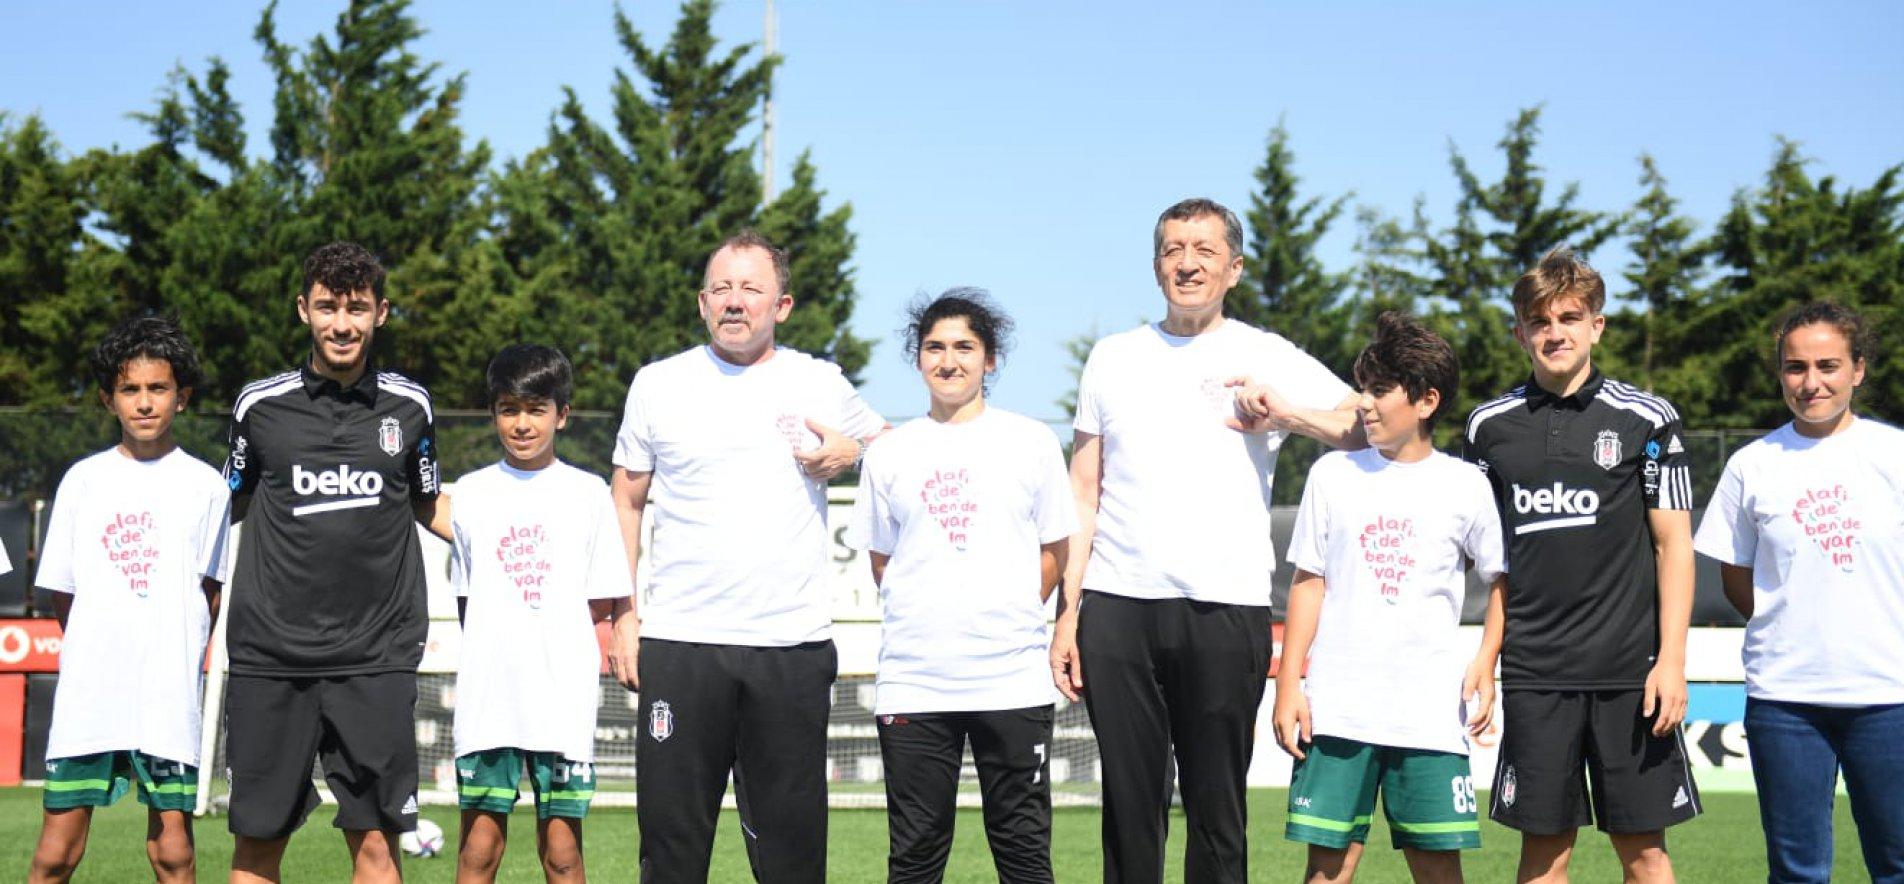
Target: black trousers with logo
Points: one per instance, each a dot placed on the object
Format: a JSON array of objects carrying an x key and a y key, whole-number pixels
[
  {"x": 922, "y": 754},
  {"x": 1176, "y": 673},
  {"x": 756, "y": 711}
]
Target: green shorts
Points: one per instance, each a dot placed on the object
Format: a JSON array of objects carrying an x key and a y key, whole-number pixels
[
  {"x": 489, "y": 781},
  {"x": 1426, "y": 795},
  {"x": 100, "y": 779}
]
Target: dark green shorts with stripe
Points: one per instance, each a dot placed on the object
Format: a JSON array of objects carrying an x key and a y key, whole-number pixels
[
  {"x": 1426, "y": 795},
  {"x": 490, "y": 780},
  {"x": 100, "y": 779}
]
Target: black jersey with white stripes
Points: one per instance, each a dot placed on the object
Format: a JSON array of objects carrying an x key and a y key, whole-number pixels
[
  {"x": 1573, "y": 478},
  {"x": 329, "y": 578}
]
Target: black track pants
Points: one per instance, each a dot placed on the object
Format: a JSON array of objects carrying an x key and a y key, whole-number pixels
[
  {"x": 760, "y": 712},
  {"x": 1164, "y": 673},
  {"x": 922, "y": 754}
]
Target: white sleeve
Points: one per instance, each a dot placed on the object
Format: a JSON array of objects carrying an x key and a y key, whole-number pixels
[
  {"x": 1309, "y": 543},
  {"x": 214, "y": 533},
  {"x": 857, "y": 419},
  {"x": 634, "y": 444},
  {"x": 608, "y": 575},
  {"x": 871, "y": 526},
  {"x": 1726, "y": 531},
  {"x": 59, "y": 545},
  {"x": 1304, "y": 380},
  {"x": 1483, "y": 544},
  {"x": 1089, "y": 418},
  {"x": 459, "y": 557},
  {"x": 1054, "y": 508},
  {"x": 6, "y": 564}
]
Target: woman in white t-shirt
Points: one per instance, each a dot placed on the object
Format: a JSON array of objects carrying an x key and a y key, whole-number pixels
[
  {"x": 1807, "y": 525},
  {"x": 965, "y": 515}
]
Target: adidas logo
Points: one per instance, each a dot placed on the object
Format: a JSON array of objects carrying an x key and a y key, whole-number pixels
[
  {"x": 409, "y": 804},
  {"x": 1681, "y": 799},
  {"x": 1673, "y": 447}
]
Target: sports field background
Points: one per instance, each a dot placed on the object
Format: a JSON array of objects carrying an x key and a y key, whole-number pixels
[{"x": 1723, "y": 845}]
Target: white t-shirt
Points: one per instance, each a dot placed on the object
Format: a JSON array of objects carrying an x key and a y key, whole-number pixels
[
  {"x": 739, "y": 544},
  {"x": 531, "y": 549},
  {"x": 1183, "y": 510},
  {"x": 132, "y": 541},
  {"x": 1821, "y": 524},
  {"x": 962, "y": 509},
  {"x": 1391, "y": 541}
]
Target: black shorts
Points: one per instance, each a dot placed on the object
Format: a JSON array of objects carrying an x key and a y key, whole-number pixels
[
  {"x": 1640, "y": 782},
  {"x": 362, "y": 727}
]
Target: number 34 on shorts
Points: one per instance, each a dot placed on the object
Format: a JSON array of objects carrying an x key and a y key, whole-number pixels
[{"x": 490, "y": 780}]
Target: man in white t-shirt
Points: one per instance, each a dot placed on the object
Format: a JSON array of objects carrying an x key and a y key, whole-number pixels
[
  {"x": 730, "y": 445},
  {"x": 1165, "y": 623}
]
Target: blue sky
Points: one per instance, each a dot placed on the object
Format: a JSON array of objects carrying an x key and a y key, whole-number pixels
[{"x": 1028, "y": 147}]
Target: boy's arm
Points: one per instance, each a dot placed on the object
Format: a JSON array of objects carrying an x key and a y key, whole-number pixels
[
  {"x": 62, "y": 607},
  {"x": 214, "y": 595},
  {"x": 433, "y": 513},
  {"x": 1737, "y": 582},
  {"x": 1051, "y": 566},
  {"x": 1672, "y": 554},
  {"x": 630, "y": 492},
  {"x": 1479, "y": 683},
  {"x": 878, "y": 562},
  {"x": 1087, "y": 482},
  {"x": 1291, "y": 717},
  {"x": 1260, "y": 409}
]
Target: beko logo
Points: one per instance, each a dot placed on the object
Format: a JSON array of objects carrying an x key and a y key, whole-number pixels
[
  {"x": 1570, "y": 507},
  {"x": 362, "y": 487}
]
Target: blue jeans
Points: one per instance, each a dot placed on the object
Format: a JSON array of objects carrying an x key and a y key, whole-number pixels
[{"x": 1797, "y": 751}]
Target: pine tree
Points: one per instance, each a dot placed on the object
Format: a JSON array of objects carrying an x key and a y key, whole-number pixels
[
  {"x": 1791, "y": 240},
  {"x": 366, "y": 143},
  {"x": 1284, "y": 287},
  {"x": 1501, "y": 229},
  {"x": 640, "y": 202},
  {"x": 819, "y": 246},
  {"x": 50, "y": 314},
  {"x": 1665, "y": 273}
]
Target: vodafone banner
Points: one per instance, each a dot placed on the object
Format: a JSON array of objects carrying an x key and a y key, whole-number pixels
[{"x": 29, "y": 645}]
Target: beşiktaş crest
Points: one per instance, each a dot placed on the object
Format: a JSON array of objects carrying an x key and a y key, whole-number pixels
[
  {"x": 390, "y": 436},
  {"x": 660, "y": 721},
  {"x": 1606, "y": 449}
]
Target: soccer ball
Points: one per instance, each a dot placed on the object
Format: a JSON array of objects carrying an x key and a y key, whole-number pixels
[{"x": 426, "y": 841}]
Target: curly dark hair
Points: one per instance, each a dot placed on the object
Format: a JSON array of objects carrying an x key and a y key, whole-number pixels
[
  {"x": 145, "y": 336},
  {"x": 343, "y": 268},
  {"x": 984, "y": 317},
  {"x": 1406, "y": 354},
  {"x": 531, "y": 371},
  {"x": 1845, "y": 320}
]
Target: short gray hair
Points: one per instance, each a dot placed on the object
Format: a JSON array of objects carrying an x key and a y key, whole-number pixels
[
  {"x": 749, "y": 238},
  {"x": 1199, "y": 207}
]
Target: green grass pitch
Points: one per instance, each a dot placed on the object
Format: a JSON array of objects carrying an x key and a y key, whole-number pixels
[{"x": 1724, "y": 845}]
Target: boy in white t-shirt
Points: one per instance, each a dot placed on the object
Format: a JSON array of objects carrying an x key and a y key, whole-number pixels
[
  {"x": 1380, "y": 549},
  {"x": 537, "y": 558},
  {"x": 134, "y": 555}
]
